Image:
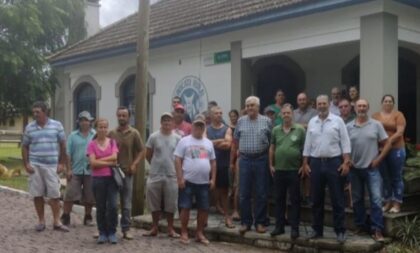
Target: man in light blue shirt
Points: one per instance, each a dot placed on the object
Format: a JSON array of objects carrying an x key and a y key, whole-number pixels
[
  {"x": 326, "y": 158},
  {"x": 79, "y": 181}
]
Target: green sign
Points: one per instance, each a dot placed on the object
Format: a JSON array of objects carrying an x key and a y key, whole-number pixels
[{"x": 221, "y": 57}]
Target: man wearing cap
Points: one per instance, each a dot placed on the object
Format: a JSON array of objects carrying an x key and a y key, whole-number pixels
[
  {"x": 79, "y": 181},
  {"x": 161, "y": 186},
  {"x": 195, "y": 164},
  {"x": 181, "y": 127},
  {"x": 131, "y": 151},
  {"x": 270, "y": 113},
  {"x": 177, "y": 100},
  {"x": 252, "y": 139}
]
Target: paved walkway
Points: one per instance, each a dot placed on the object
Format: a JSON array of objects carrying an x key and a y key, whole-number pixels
[{"x": 17, "y": 234}]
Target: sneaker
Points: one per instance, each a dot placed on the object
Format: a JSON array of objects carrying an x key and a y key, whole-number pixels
[
  {"x": 65, "y": 219},
  {"x": 377, "y": 236},
  {"x": 127, "y": 235},
  {"x": 112, "y": 238},
  {"x": 88, "y": 220},
  {"x": 102, "y": 239}
]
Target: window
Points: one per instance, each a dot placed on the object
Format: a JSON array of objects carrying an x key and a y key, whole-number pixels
[
  {"x": 127, "y": 98},
  {"x": 85, "y": 99}
]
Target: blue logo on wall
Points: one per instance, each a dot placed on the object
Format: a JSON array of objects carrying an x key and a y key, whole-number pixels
[{"x": 193, "y": 95}]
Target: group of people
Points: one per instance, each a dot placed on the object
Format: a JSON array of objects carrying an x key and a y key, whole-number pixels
[{"x": 193, "y": 161}]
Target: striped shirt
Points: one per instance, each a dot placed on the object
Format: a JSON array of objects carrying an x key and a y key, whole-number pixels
[
  {"x": 43, "y": 142},
  {"x": 253, "y": 135}
]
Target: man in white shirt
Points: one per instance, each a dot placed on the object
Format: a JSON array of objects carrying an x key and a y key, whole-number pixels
[
  {"x": 326, "y": 158},
  {"x": 335, "y": 100}
]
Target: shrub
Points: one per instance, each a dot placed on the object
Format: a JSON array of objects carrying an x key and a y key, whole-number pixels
[{"x": 407, "y": 232}]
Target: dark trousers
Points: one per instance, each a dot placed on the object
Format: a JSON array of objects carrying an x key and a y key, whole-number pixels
[
  {"x": 287, "y": 181},
  {"x": 253, "y": 172},
  {"x": 324, "y": 172},
  {"x": 106, "y": 191}
]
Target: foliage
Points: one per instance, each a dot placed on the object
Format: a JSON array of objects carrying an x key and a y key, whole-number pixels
[
  {"x": 407, "y": 232},
  {"x": 398, "y": 248},
  {"x": 30, "y": 30}
]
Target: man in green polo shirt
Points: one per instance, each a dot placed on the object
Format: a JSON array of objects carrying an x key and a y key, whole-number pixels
[{"x": 285, "y": 159}]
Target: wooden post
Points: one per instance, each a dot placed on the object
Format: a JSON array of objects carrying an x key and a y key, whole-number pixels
[{"x": 141, "y": 94}]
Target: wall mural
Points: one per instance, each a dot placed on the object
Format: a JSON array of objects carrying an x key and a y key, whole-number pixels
[{"x": 193, "y": 95}]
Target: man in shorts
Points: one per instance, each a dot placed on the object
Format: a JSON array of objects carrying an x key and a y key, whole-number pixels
[
  {"x": 79, "y": 180},
  {"x": 195, "y": 164},
  {"x": 161, "y": 186},
  {"x": 44, "y": 156}
]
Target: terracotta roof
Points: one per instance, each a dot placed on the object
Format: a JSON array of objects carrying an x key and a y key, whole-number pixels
[{"x": 171, "y": 17}]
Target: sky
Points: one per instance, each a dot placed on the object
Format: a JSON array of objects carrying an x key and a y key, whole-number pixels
[{"x": 114, "y": 10}]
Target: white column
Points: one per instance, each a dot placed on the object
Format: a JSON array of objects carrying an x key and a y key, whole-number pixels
[
  {"x": 378, "y": 58},
  {"x": 236, "y": 74}
]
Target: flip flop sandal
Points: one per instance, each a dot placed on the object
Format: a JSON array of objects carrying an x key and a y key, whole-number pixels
[
  {"x": 40, "y": 227},
  {"x": 150, "y": 234},
  {"x": 202, "y": 241},
  {"x": 61, "y": 228},
  {"x": 174, "y": 235},
  {"x": 184, "y": 241},
  {"x": 229, "y": 225}
]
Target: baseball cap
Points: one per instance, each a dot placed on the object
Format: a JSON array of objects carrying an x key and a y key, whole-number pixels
[
  {"x": 179, "y": 107},
  {"x": 199, "y": 122},
  {"x": 269, "y": 109},
  {"x": 166, "y": 114},
  {"x": 86, "y": 115}
]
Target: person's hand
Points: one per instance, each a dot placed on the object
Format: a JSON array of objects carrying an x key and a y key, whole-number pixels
[
  {"x": 212, "y": 184},
  {"x": 344, "y": 169},
  {"x": 60, "y": 168},
  {"x": 304, "y": 171},
  {"x": 375, "y": 163},
  {"x": 272, "y": 170},
  {"x": 181, "y": 183},
  {"x": 132, "y": 170},
  {"x": 29, "y": 169},
  {"x": 69, "y": 175}
]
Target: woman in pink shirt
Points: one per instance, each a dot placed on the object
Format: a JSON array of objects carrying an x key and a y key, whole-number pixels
[{"x": 102, "y": 152}]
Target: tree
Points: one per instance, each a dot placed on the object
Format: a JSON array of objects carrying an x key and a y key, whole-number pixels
[{"x": 30, "y": 31}]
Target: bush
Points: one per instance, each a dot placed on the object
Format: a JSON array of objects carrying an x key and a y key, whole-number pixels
[{"x": 407, "y": 232}]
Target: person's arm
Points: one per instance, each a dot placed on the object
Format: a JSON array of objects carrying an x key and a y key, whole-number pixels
[
  {"x": 233, "y": 153},
  {"x": 387, "y": 146},
  {"x": 224, "y": 143},
  {"x": 213, "y": 174},
  {"x": 179, "y": 172},
  {"x": 149, "y": 154},
  {"x": 62, "y": 160},
  {"x": 401, "y": 123},
  {"x": 271, "y": 159},
  {"x": 98, "y": 163},
  {"x": 346, "y": 149},
  {"x": 25, "y": 158}
]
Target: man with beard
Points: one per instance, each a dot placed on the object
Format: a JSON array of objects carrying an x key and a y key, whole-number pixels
[
  {"x": 304, "y": 112},
  {"x": 366, "y": 135},
  {"x": 327, "y": 149},
  {"x": 131, "y": 151}
]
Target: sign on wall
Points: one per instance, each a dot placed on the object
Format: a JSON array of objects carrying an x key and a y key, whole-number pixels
[{"x": 193, "y": 95}]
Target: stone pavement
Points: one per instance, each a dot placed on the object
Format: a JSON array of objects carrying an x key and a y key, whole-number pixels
[
  {"x": 17, "y": 234},
  {"x": 217, "y": 231}
]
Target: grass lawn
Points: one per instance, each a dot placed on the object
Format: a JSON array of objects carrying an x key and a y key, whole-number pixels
[{"x": 8, "y": 155}]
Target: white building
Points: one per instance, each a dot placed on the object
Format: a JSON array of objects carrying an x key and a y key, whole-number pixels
[{"x": 225, "y": 50}]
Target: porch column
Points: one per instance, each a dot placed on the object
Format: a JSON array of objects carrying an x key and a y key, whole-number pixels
[
  {"x": 236, "y": 74},
  {"x": 378, "y": 58}
]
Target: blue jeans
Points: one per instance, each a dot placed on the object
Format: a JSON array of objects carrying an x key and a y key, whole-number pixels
[
  {"x": 324, "y": 173},
  {"x": 253, "y": 174},
  {"x": 199, "y": 191},
  {"x": 371, "y": 178},
  {"x": 126, "y": 196},
  {"x": 106, "y": 191},
  {"x": 392, "y": 174}
]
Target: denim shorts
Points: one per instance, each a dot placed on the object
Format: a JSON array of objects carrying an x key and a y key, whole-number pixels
[{"x": 199, "y": 191}]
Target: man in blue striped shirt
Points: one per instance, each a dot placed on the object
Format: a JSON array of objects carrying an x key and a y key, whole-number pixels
[{"x": 44, "y": 156}]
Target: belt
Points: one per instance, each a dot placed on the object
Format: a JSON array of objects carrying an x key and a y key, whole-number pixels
[
  {"x": 253, "y": 155},
  {"x": 326, "y": 159}
]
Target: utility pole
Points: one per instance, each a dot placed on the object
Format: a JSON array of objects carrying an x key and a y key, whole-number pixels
[{"x": 141, "y": 95}]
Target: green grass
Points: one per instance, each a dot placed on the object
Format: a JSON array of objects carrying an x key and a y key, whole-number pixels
[{"x": 8, "y": 155}]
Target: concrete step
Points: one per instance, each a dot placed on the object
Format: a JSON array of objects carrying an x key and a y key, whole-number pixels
[{"x": 216, "y": 231}]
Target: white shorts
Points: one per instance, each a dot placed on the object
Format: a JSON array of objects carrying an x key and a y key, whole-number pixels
[{"x": 44, "y": 182}]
